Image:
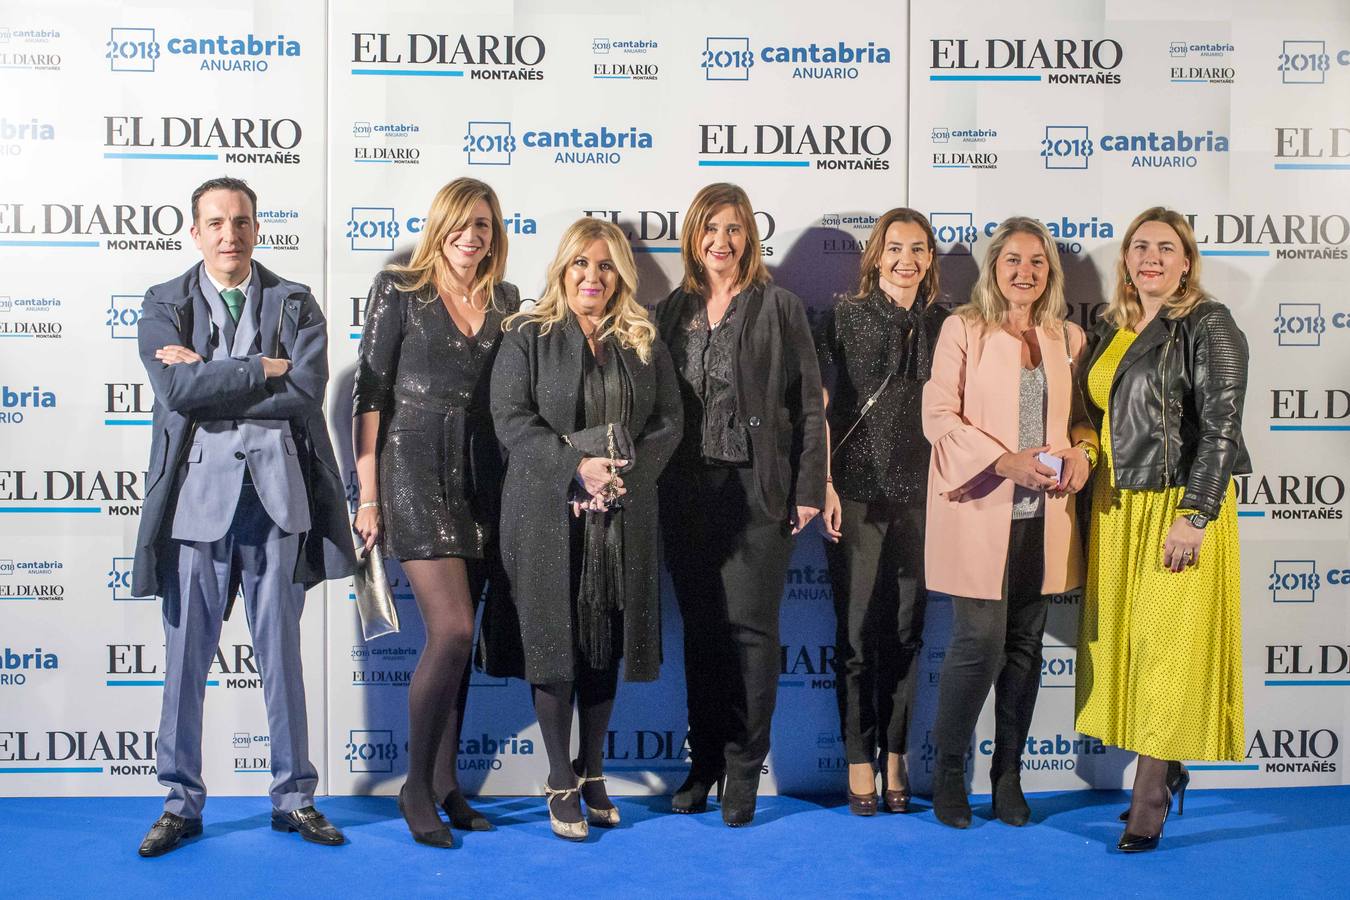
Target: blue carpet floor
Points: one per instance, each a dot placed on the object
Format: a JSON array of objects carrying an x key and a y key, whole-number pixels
[{"x": 1287, "y": 842}]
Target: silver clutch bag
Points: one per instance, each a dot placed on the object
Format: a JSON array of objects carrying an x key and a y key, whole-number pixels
[{"x": 374, "y": 599}]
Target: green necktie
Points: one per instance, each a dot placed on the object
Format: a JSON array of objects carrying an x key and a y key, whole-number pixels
[{"x": 234, "y": 302}]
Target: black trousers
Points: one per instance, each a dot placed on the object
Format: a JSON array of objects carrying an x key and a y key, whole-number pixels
[
  {"x": 727, "y": 559},
  {"x": 997, "y": 643},
  {"x": 876, "y": 571}
]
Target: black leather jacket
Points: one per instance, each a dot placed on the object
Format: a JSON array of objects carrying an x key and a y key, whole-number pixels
[{"x": 1176, "y": 405}]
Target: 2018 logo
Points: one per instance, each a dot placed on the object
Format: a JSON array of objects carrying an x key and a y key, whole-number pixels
[
  {"x": 139, "y": 50},
  {"x": 733, "y": 59},
  {"x": 1308, "y": 62},
  {"x": 121, "y": 573},
  {"x": 1294, "y": 581},
  {"x": 371, "y": 750}
]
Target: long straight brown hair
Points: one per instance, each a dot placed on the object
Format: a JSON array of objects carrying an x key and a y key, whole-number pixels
[{"x": 869, "y": 273}]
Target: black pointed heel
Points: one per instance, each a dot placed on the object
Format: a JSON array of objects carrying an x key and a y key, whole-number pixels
[
  {"x": 1178, "y": 779},
  {"x": 437, "y": 837}
]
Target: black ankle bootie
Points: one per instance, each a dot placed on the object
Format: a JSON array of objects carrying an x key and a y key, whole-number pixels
[
  {"x": 1005, "y": 778},
  {"x": 950, "y": 803}
]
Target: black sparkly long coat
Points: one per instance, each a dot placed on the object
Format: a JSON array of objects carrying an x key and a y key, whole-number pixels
[{"x": 528, "y": 632}]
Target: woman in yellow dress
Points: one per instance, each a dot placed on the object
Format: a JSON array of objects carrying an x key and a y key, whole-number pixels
[{"x": 1160, "y": 642}]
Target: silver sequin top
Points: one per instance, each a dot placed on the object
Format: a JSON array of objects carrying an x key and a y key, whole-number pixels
[{"x": 1031, "y": 399}]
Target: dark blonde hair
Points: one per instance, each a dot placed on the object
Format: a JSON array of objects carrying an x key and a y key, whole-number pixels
[
  {"x": 1125, "y": 309},
  {"x": 451, "y": 210},
  {"x": 624, "y": 317},
  {"x": 987, "y": 303},
  {"x": 869, "y": 275},
  {"x": 704, "y": 206}
]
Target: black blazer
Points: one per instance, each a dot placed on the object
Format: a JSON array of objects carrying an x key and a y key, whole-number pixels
[
  {"x": 1176, "y": 405},
  {"x": 777, "y": 392},
  {"x": 536, "y": 382}
]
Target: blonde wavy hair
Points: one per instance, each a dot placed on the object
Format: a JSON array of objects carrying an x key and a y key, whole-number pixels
[
  {"x": 703, "y": 207},
  {"x": 451, "y": 210},
  {"x": 1125, "y": 309},
  {"x": 624, "y": 319},
  {"x": 987, "y": 303}
]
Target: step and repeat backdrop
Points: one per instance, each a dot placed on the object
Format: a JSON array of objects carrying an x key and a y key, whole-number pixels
[{"x": 346, "y": 117}]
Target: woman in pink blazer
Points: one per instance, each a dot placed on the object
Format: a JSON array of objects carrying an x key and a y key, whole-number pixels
[{"x": 1011, "y": 443}]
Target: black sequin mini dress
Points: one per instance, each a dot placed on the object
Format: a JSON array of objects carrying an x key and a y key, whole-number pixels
[{"x": 440, "y": 468}]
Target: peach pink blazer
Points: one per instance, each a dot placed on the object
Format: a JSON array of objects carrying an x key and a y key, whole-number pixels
[{"x": 970, "y": 417}]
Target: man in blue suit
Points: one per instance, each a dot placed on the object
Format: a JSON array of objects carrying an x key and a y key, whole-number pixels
[{"x": 243, "y": 494}]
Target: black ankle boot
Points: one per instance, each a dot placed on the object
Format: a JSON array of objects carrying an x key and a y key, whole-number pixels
[
  {"x": 950, "y": 803},
  {"x": 738, "y": 800},
  {"x": 1005, "y": 779},
  {"x": 692, "y": 796}
]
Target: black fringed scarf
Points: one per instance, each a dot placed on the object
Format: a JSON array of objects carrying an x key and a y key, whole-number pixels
[{"x": 607, "y": 393}]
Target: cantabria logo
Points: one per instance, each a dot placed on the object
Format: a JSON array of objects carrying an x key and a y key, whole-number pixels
[
  {"x": 1072, "y": 147},
  {"x": 734, "y": 58},
  {"x": 142, "y": 49},
  {"x": 17, "y": 405},
  {"x": 1200, "y": 63},
  {"x": 246, "y": 141},
  {"x": 16, "y": 134},
  {"x": 17, "y": 665},
  {"x": 796, "y": 145},
  {"x": 1051, "y": 60},
  {"x": 495, "y": 143},
  {"x": 492, "y": 57}
]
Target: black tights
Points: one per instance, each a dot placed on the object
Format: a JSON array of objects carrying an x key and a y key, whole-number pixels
[
  {"x": 594, "y": 691},
  {"x": 439, "y": 685}
]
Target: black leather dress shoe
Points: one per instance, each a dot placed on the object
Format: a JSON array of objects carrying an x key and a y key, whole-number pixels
[
  {"x": 311, "y": 824},
  {"x": 167, "y": 832}
]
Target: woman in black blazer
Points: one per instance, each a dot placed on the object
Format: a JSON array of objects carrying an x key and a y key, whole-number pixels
[
  {"x": 749, "y": 474},
  {"x": 585, "y": 403}
]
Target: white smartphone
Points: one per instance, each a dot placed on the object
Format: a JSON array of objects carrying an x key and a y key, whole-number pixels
[{"x": 1052, "y": 462}]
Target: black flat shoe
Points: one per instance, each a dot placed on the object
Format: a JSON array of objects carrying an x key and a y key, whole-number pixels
[
  {"x": 167, "y": 833},
  {"x": 738, "y": 801},
  {"x": 436, "y": 837},
  {"x": 692, "y": 796},
  {"x": 1178, "y": 778},
  {"x": 462, "y": 815},
  {"x": 311, "y": 824}
]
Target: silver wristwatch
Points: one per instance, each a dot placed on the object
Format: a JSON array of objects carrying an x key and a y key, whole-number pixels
[{"x": 1199, "y": 520}]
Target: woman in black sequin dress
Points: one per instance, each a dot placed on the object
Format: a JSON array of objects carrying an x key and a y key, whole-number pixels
[
  {"x": 586, "y": 405},
  {"x": 748, "y": 476},
  {"x": 877, "y": 343},
  {"x": 429, "y": 467}
]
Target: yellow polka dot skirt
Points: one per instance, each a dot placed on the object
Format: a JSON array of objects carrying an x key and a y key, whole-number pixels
[{"x": 1159, "y": 654}]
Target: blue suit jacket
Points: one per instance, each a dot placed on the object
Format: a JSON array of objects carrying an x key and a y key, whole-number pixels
[{"x": 187, "y": 394}]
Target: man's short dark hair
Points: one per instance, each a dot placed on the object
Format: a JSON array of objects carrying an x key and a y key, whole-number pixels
[{"x": 224, "y": 183}]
